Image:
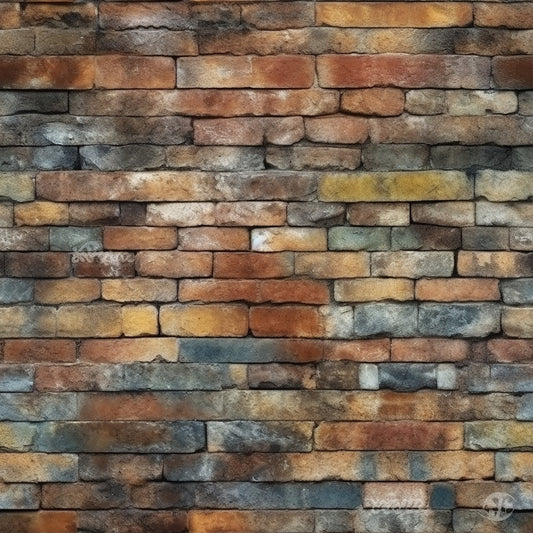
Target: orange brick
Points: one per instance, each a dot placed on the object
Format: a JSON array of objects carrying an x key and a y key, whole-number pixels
[
  {"x": 139, "y": 320},
  {"x": 39, "y": 351},
  {"x": 302, "y": 291},
  {"x": 286, "y": 321},
  {"x": 41, "y": 214},
  {"x": 128, "y": 350},
  {"x": 211, "y": 290},
  {"x": 338, "y": 129},
  {"x": 214, "y": 239},
  {"x": 136, "y": 238},
  {"x": 364, "y": 351},
  {"x": 513, "y": 72},
  {"x": 40, "y": 521},
  {"x": 429, "y": 350},
  {"x": 130, "y": 72},
  {"x": 381, "y": 102},
  {"x": 395, "y": 495},
  {"x": 52, "y": 72},
  {"x": 495, "y": 264},
  {"x": 139, "y": 290},
  {"x": 333, "y": 264},
  {"x": 204, "y": 320},
  {"x": 394, "y": 14},
  {"x": 457, "y": 290},
  {"x": 509, "y": 350},
  {"x": 70, "y": 290},
  {"x": 507, "y": 16},
  {"x": 174, "y": 264},
  {"x": 369, "y": 290},
  {"x": 253, "y": 265}
]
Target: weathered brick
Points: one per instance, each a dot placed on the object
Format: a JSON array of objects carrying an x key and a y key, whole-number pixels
[
  {"x": 504, "y": 186},
  {"x": 395, "y": 495},
  {"x": 508, "y": 16},
  {"x": 498, "y": 378},
  {"x": 509, "y": 350},
  {"x": 425, "y": 102},
  {"x": 27, "y": 321},
  {"x": 139, "y": 320},
  {"x": 519, "y": 291},
  {"x": 250, "y": 213},
  {"x": 37, "y": 264},
  {"x": 59, "y": 15},
  {"x": 41, "y": 214},
  {"x": 19, "y": 496},
  {"x": 294, "y": 15},
  {"x": 120, "y": 16},
  {"x": 15, "y": 290},
  {"x": 444, "y": 213},
  {"x": 181, "y": 214},
  {"x": 43, "y": 521},
  {"x": 121, "y": 238},
  {"x": 492, "y": 41},
  {"x": 397, "y": 320},
  {"x": 481, "y": 102},
  {"x": 214, "y": 238},
  {"x": 38, "y": 468},
  {"x": 64, "y": 41},
  {"x": 452, "y": 157},
  {"x": 16, "y": 378},
  {"x": 122, "y": 520},
  {"x": 514, "y": 72},
  {"x": 332, "y": 264},
  {"x": 425, "y": 237},
  {"x": 174, "y": 264},
  {"x": 340, "y": 129},
  {"x": 89, "y": 321},
  {"x": 525, "y": 103},
  {"x": 494, "y": 264},
  {"x": 497, "y": 434},
  {"x": 75, "y": 239},
  {"x": 84, "y": 495},
  {"x": 281, "y": 376},
  {"x": 378, "y": 214},
  {"x": 17, "y": 42},
  {"x": 39, "y": 351},
  {"x": 315, "y": 158},
  {"x": 457, "y": 290},
  {"x": 513, "y": 466},
  {"x": 69, "y": 290},
  {"x": 412, "y": 264},
  {"x": 407, "y": 376},
  {"x": 391, "y": 157},
  {"x": 518, "y": 321},
  {"x": 103, "y": 264},
  {"x": 131, "y": 157},
  {"x": 485, "y": 238},
  {"x": 94, "y": 214},
  {"x": 367, "y": 290},
  {"x": 286, "y": 321},
  {"x": 81, "y": 377},
  {"x": 38, "y": 407},
  {"x": 382, "y": 102},
  {"x": 504, "y": 214},
  {"x": 358, "y": 238},
  {"x": 281, "y": 239},
  {"x": 253, "y": 265},
  {"x": 10, "y": 14},
  {"x": 316, "y": 214},
  {"x": 128, "y": 350},
  {"x": 523, "y": 158},
  {"x": 136, "y": 290},
  {"x": 122, "y": 468},
  {"x": 219, "y": 158}
]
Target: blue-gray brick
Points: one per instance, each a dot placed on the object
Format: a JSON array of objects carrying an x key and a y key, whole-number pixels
[
  {"x": 15, "y": 290},
  {"x": 442, "y": 496},
  {"x": 517, "y": 291},
  {"x": 75, "y": 239},
  {"x": 37, "y": 407},
  {"x": 19, "y": 496},
  {"x": 500, "y": 378},
  {"x": 397, "y": 320},
  {"x": 525, "y": 407},
  {"x": 359, "y": 238},
  {"x": 407, "y": 376},
  {"x": 16, "y": 378}
]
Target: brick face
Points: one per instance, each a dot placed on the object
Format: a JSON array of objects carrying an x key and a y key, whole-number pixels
[{"x": 267, "y": 267}]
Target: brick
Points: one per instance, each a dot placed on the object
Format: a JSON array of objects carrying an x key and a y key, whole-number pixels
[
  {"x": 407, "y": 376},
  {"x": 470, "y": 41},
  {"x": 395, "y": 186},
  {"x": 138, "y": 157},
  {"x": 338, "y": 375},
  {"x": 245, "y": 436},
  {"x": 181, "y": 214},
  {"x": 103, "y": 264},
  {"x": 519, "y": 291},
  {"x": 339, "y": 129},
  {"x": 513, "y": 466},
  {"x": 481, "y": 102},
  {"x": 89, "y": 214},
  {"x": 395, "y": 495},
  {"x": 281, "y": 376},
  {"x": 214, "y": 238},
  {"x": 457, "y": 290},
  {"x": 15, "y": 378},
  {"x": 513, "y": 16},
  {"x": 85, "y": 495},
  {"x": 38, "y": 468},
  {"x": 204, "y": 320},
  {"x": 128, "y": 350},
  {"x": 412, "y": 264},
  {"x": 38, "y": 407},
  {"x": 53, "y": 72},
  {"x": 122, "y": 468},
  {"x": 41, "y": 214},
  {"x": 513, "y": 72},
  {"x": 121, "y": 238},
  {"x": 70, "y": 290},
  {"x": 358, "y": 350},
  {"x": 59, "y": 15},
  {"x": 381, "y": 102},
  {"x": 425, "y": 102},
  {"x": 27, "y": 321},
  {"x": 425, "y": 237},
  {"x": 390, "y": 157},
  {"x": 139, "y": 320},
  {"x": 518, "y": 322},
  {"x": 282, "y": 16},
  {"x": 78, "y": 239},
  {"x": 23, "y": 239},
  {"x": 358, "y": 238},
  {"x": 16, "y": 436},
  {"x": 521, "y": 239},
  {"x": 525, "y": 103},
  {"x": 130, "y": 519},
  {"x": 398, "y": 14},
  {"x": 220, "y": 158},
  {"x": 319, "y": 214},
  {"x": 17, "y": 42},
  {"x": 494, "y": 264},
  {"x": 253, "y": 265},
  {"x": 281, "y": 239},
  {"x": 478, "y": 494},
  {"x": 498, "y": 378},
  {"x": 330, "y": 265},
  {"x": 388, "y": 436},
  {"x": 16, "y": 290},
  {"x": 219, "y": 290},
  {"x": 19, "y": 496},
  {"x": 466, "y": 320},
  {"x": 81, "y": 377},
  {"x": 136, "y": 290},
  {"x": 522, "y": 158},
  {"x": 504, "y": 214},
  {"x": 509, "y": 350},
  {"x": 89, "y": 321},
  {"x": 444, "y": 213},
  {"x": 450, "y": 465},
  {"x": 284, "y": 71},
  {"x": 43, "y": 521},
  {"x": 367, "y": 290},
  {"x": 174, "y": 264},
  {"x": 316, "y": 158},
  {"x": 504, "y": 186},
  {"x": 52, "y": 41},
  {"x": 469, "y": 157},
  {"x": 302, "y": 291},
  {"x": 10, "y": 16},
  {"x": 485, "y": 238},
  {"x": 397, "y": 320},
  {"x": 39, "y": 351},
  {"x": 403, "y": 71},
  {"x": 250, "y": 213},
  {"x": 6, "y": 214},
  {"x": 121, "y": 16},
  {"x": 287, "y": 321},
  {"x": 378, "y": 214}
]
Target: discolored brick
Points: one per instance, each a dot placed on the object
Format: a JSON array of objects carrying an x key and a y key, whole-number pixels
[
  {"x": 128, "y": 350},
  {"x": 457, "y": 290}
]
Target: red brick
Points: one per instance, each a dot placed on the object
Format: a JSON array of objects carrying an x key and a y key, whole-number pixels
[
  {"x": 212, "y": 290},
  {"x": 39, "y": 522},
  {"x": 130, "y": 72},
  {"x": 174, "y": 264},
  {"x": 515, "y": 72},
  {"x": 137, "y": 238},
  {"x": 410, "y": 71},
  {"x": 37, "y": 264},
  {"x": 338, "y": 129},
  {"x": 39, "y": 351},
  {"x": 380, "y": 102},
  {"x": 509, "y": 350},
  {"x": 457, "y": 290},
  {"x": 364, "y": 351},
  {"x": 253, "y": 265},
  {"x": 429, "y": 350},
  {"x": 53, "y": 72},
  {"x": 103, "y": 264},
  {"x": 205, "y": 238},
  {"x": 286, "y": 321},
  {"x": 128, "y": 350},
  {"x": 389, "y": 436}
]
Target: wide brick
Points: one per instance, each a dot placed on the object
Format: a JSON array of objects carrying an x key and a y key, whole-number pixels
[
  {"x": 174, "y": 264},
  {"x": 509, "y": 350},
  {"x": 284, "y": 376},
  {"x": 27, "y": 321},
  {"x": 504, "y": 214},
  {"x": 378, "y": 214},
  {"x": 221, "y": 158},
  {"x": 425, "y": 237},
  {"x": 319, "y": 214},
  {"x": 515, "y": 72},
  {"x": 19, "y": 496},
  {"x": 41, "y": 214},
  {"x": 128, "y": 350},
  {"x": 395, "y": 157},
  {"x": 508, "y": 16},
  {"x": 291, "y": 72},
  {"x": 338, "y": 129},
  {"x": 24, "y": 239},
  {"x": 130, "y": 157},
  {"x": 395, "y": 186},
  {"x": 481, "y": 102},
  {"x": 398, "y": 320},
  {"x": 64, "y": 41},
  {"x": 122, "y": 468},
  {"x": 53, "y": 72},
  {"x": 94, "y": 214},
  {"x": 59, "y": 15},
  {"x": 403, "y": 71},
  {"x": 253, "y": 265},
  {"x": 518, "y": 321},
  {"x": 42, "y": 521},
  {"x": 388, "y": 436},
  {"x": 467, "y": 157},
  {"x": 123, "y": 520},
  {"x": 397, "y": 14},
  {"x": 281, "y": 239},
  {"x": 395, "y": 495},
  {"x": 37, "y": 102},
  {"x": 70, "y": 290},
  {"x": 381, "y": 102},
  {"x": 497, "y": 434},
  {"x": 138, "y": 238},
  {"x": 494, "y": 264},
  {"x": 282, "y": 16},
  {"x": 498, "y": 378},
  {"x": 513, "y": 466},
  {"x": 286, "y": 321},
  {"x": 181, "y": 214},
  {"x": 38, "y": 407},
  {"x": 332, "y": 264},
  {"x": 412, "y": 264},
  {"x": 78, "y": 239},
  {"x": 457, "y": 290},
  {"x": 250, "y": 213},
  {"x": 485, "y": 238},
  {"x": 204, "y": 320},
  {"x": 89, "y": 321},
  {"x": 135, "y": 290},
  {"x": 367, "y": 290},
  {"x": 16, "y": 378},
  {"x": 38, "y": 468},
  {"x": 316, "y": 158},
  {"x": 504, "y": 186},
  {"x": 450, "y": 465},
  {"x": 214, "y": 238},
  {"x": 359, "y": 238},
  {"x": 84, "y": 495},
  {"x": 444, "y": 213},
  {"x": 219, "y": 290},
  {"x": 103, "y": 264},
  {"x": 39, "y": 351},
  {"x": 81, "y": 377}
]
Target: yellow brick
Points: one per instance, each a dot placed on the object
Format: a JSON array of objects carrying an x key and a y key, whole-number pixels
[
  {"x": 41, "y": 214},
  {"x": 369, "y": 290},
  {"x": 70, "y": 290},
  {"x": 518, "y": 322},
  {"x": 395, "y": 186},
  {"x": 139, "y": 320},
  {"x": 138, "y": 290},
  {"x": 89, "y": 321}
]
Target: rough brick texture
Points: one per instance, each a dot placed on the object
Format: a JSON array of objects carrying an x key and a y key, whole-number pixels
[{"x": 266, "y": 266}]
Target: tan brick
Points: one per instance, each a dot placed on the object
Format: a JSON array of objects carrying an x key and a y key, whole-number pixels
[
  {"x": 397, "y": 14},
  {"x": 204, "y": 320},
  {"x": 250, "y": 213},
  {"x": 395, "y": 495},
  {"x": 181, "y": 214},
  {"x": 504, "y": 214},
  {"x": 18, "y": 186},
  {"x": 206, "y": 238},
  {"x": 129, "y": 350},
  {"x": 89, "y": 321},
  {"x": 336, "y": 129},
  {"x": 377, "y": 101},
  {"x": 507, "y": 16},
  {"x": 38, "y": 467},
  {"x": 286, "y": 321},
  {"x": 495, "y": 264},
  {"x": 253, "y": 265},
  {"x": 139, "y": 290},
  {"x": 137, "y": 238},
  {"x": 34, "y": 321},
  {"x": 369, "y": 290},
  {"x": 139, "y": 320},
  {"x": 297, "y": 239},
  {"x": 174, "y": 264},
  {"x": 518, "y": 322},
  {"x": 331, "y": 265},
  {"x": 39, "y": 351},
  {"x": 457, "y": 290},
  {"x": 70, "y": 290},
  {"x": 379, "y": 214},
  {"x": 41, "y": 214},
  {"x": 9, "y": 16},
  {"x": 6, "y": 215},
  {"x": 429, "y": 350},
  {"x": 459, "y": 465},
  {"x": 513, "y": 466},
  {"x": 444, "y": 213},
  {"x": 365, "y": 351},
  {"x": 498, "y": 186}
]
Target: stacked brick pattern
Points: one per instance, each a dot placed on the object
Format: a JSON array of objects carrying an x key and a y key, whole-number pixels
[{"x": 267, "y": 267}]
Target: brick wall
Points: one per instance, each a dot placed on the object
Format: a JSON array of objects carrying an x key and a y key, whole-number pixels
[{"x": 267, "y": 267}]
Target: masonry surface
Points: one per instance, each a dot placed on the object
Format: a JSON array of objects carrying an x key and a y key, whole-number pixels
[{"x": 266, "y": 267}]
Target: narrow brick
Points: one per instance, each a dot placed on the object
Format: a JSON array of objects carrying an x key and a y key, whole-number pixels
[
  {"x": 128, "y": 350},
  {"x": 425, "y": 237},
  {"x": 39, "y": 351},
  {"x": 428, "y": 350},
  {"x": 378, "y": 214},
  {"x": 332, "y": 264},
  {"x": 319, "y": 214},
  {"x": 286, "y": 321},
  {"x": 27, "y": 322},
  {"x": 103, "y": 264},
  {"x": 121, "y": 468},
  {"x": 250, "y": 213},
  {"x": 136, "y": 290},
  {"x": 219, "y": 290},
  {"x": 41, "y": 214},
  {"x": 396, "y": 157},
  {"x": 457, "y": 290},
  {"x": 90, "y": 214},
  {"x": 42, "y": 521},
  {"x": 86, "y": 495},
  {"x": 339, "y": 129},
  {"x": 412, "y": 264},
  {"x": 494, "y": 264},
  {"x": 282, "y": 376},
  {"x": 509, "y": 350},
  {"x": 253, "y": 265},
  {"x": 81, "y": 377},
  {"x": 395, "y": 495},
  {"x": 485, "y": 238},
  {"x": 174, "y": 264},
  {"x": 181, "y": 214}
]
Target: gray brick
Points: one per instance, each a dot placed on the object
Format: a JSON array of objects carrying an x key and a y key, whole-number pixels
[
  {"x": 523, "y": 158},
  {"x": 525, "y": 407},
  {"x": 470, "y": 103},
  {"x": 465, "y": 320},
  {"x": 425, "y": 102},
  {"x": 423, "y": 237},
  {"x": 454, "y": 157},
  {"x": 313, "y": 157},
  {"x": 16, "y": 436},
  {"x": 15, "y": 290},
  {"x": 470, "y": 520},
  {"x": 481, "y": 238},
  {"x": 517, "y": 291},
  {"x": 55, "y": 158},
  {"x": 19, "y": 496},
  {"x": 334, "y": 522},
  {"x": 521, "y": 238},
  {"x": 499, "y": 378},
  {"x": 16, "y": 378},
  {"x": 131, "y": 157},
  {"x": 396, "y": 320},
  {"x": 359, "y": 238},
  {"x": 407, "y": 376},
  {"x": 24, "y": 239},
  {"x": 37, "y": 407},
  {"x": 13, "y": 102},
  {"x": 525, "y": 103},
  {"x": 442, "y": 496},
  {"x": 321, "y": 214},
  {"x": 77, "y": 239},
  {"x": 216, "y": 158},
  {"x": 406, "y": 521},
  {"x": 248, "y": 436},
  {"x": 412, "y": 264},
  {"x": 395, "y": 157}
]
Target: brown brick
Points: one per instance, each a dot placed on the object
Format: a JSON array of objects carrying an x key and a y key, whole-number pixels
[
  {"x": 281, "y": 376},
  {"x": 253, "y": 265},
  {"x": 286, "y": 321},
  {"x": 204, "y": 320},
  {"x": 9, "y": 16},
  {"x": 379, "y": 214},
  {"x": 457, "y": 290},
  {"x": 97, "y": 214},
  {"x": 278, "y": 16},
  {"x": 37, "y": 264},
  {"x": 126, "y": 520},
  {"x": 128, "y": 350},
  {"x": 395, "y": 495},
  {"x": 250, "y": 213},
  {"x": 53, "y": 72},
  {"x": 130, "y": 72},
  {"x": 206, "y": 238},
  {"x": 412, "y": 264},
  {"x": 513, "y": 72},
  {"x": 408, "y": 71},
  {"x": 127, "y": 468},
  {"x": 381, "y": 102},
  {"x": 174, "y": 264},
  {"x": 495, "y": 264},
  {"x": 336, "y": 129},
  {"x": 39, "y": 351},
  {"x": 331, "y": 265},
  {"x": 103, "y": 264},
  {"x": 139, "y": 290},
  {"x": 429, "y": 350},
  {"x": 518, "y": 322},
  {"x": 70, "y": 290},
  {"x": 369, "y": 290},
  {"x": 137, "y": 238},
  {"x": 41, "y": 214},
  {"x": 389, "y": 436},
  {"x": 509, "y": 350},
  {"x": 139, "y": 320},
  {"x": 507, "y": 16},
  {"x": 365, "y": 351},
  {"x": 313, "y": 157},
  {"x": 59, "y": 15},
  {"x": 83, "y": 495},
  {"x": 80, "y": 377},
  {"x": 39, "y": 521},
  {"x": 444, "y": 213}
]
